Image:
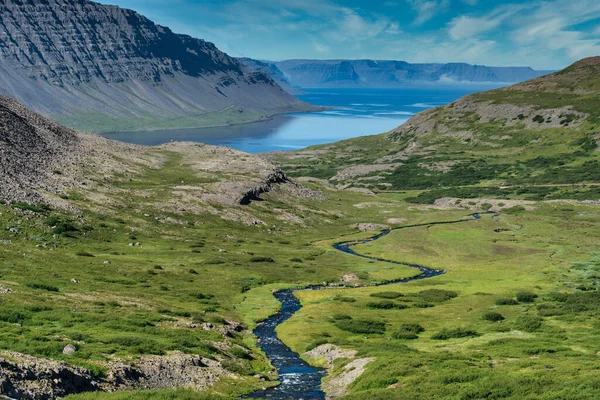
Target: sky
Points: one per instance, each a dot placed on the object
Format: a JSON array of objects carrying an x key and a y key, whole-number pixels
[{"x": 543, "y": 34}]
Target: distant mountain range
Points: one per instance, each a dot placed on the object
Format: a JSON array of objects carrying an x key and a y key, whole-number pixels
[
  {"x": 291, "y": 74},
  {"x": 103, "y": 68}
]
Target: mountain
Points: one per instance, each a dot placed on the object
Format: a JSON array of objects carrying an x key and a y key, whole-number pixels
[
  {"x": 535, "y": 140},
  {"x": 384, "y": 74},
  {"x": 270, "y": 68},
  {"x": 103, "y": 68},
  {"x": 43, "y": 161}
]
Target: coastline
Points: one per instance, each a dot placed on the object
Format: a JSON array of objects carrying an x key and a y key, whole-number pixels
[{"x": 254, "y": 121}]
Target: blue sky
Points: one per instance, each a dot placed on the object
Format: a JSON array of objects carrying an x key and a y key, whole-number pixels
[{"x": 544, "y": 34}]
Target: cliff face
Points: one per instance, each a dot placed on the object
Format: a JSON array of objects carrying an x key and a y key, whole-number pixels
[
  {"x": 386, "y": 74},
  {"x": 270, "y": 68},
  {"x": 102, "y": 67}
]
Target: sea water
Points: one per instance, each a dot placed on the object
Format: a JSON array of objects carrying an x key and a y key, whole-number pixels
[{"x": 354, "y": 112}]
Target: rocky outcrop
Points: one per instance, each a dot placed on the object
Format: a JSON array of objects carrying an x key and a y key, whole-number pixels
[
  {"x": 26, "y": 377},
  {"x": 105, "y": 68},
  {"x": 41, "y": 161},
  {"x": 370, "y": 227},
  {"x": 254, "y": 193},
  {"x": 31, "y": 148},
  {"x": 336, "y": 385}
]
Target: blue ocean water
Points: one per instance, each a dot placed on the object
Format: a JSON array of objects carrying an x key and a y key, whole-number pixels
[{"x": 356, "y": 112}]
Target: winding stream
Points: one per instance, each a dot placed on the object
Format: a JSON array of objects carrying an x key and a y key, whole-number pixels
[{"x": 299, "y": 380}]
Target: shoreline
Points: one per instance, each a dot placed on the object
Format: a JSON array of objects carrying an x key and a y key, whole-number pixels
[{"x": 267, "y": 118}]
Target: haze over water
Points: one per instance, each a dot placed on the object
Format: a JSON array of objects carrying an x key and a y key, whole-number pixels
[{"x": 357, "y": 112}]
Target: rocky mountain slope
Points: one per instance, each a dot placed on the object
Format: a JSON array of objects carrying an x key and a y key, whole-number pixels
[
  {"x": 105, "y": 68},
  {"x": 43, "y": 161},
  {"x": 271, "y": 69},
  {"x": 384, "y": 74},
  {"x": 536, "y": 140}
]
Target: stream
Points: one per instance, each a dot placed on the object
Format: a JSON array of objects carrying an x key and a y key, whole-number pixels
[{"x": 298, "y": 379}]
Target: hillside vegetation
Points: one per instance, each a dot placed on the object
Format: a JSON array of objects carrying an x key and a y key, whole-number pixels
[
  {"x": 131, "y": 272},
  {"x": 536, "y": 140}
]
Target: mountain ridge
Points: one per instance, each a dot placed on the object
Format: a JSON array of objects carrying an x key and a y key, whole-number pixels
[
  {"x": 307, "y": 73},
  {"x": 103, "y": 68}
]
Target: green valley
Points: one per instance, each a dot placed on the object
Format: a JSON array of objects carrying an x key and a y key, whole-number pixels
[{"x": 131, "y": 272}]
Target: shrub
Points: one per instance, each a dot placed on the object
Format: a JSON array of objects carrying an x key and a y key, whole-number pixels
[
  {"x": 339, "y": 317},
  {"x": 549, "y": 310},
  {"x": 192, "y": 271},
  {"x": 317, "y": 343},
  {"x": 403, "y": 335},
  {"x": 42, "y": 286},
  {"x": 526, "y": 297},
  {"x": 38, "y": 208},
  {"x": 344, "y": 299},
  {"x": 529, "y": 323},
  {"x": 436, "y": 295},
  {"x": 455, "y": 333},
  {"x": 415, "y": 328},
  {"x": 493, "y": 316},
  {"x": 202, "y": 296},
  {"x": 362, "y": 275},
  {"x": 137, "y": 344},
  {"x": 387, "y": 295},
  {"x": 262, "y": 259},
  {"x": 60, "y": 224},
  {"x": 514, "y": 210},
  {"x": 13, "y": 317},
  {"x": 386, "y": 305},
  {"x": 238, "y": 352},
  {"x": 422, "y": 304},
  {"x": 506, "y": 301},
  {"x": 84, "y": 254},
  {"x": 361, "y": 326},
  {"x": 408, "y": 332}
]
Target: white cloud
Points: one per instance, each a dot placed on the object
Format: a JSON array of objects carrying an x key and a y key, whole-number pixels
[
  {"x": 551, "y": 28},
  {"x": 393, "y": 29},
  {"x": 321, "y": 48},
  {"x": 466, "y": 26},
  {"x": 427, "y": 9},
  {"x": 542, "y": 33}
]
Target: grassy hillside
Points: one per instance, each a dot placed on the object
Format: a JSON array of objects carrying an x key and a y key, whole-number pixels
[
  {"x": 536, "y": 140},
  {"x": 141, "y": 266},
  {"x": 140, "y": 256}
]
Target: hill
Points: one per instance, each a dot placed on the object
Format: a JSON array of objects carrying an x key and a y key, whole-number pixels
[
  {"x": 384, "y": 73},
  {"x": 136, "y": 272},
  {"x": 532, "y": 140},
  {"x": 103, "y": 68}
]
